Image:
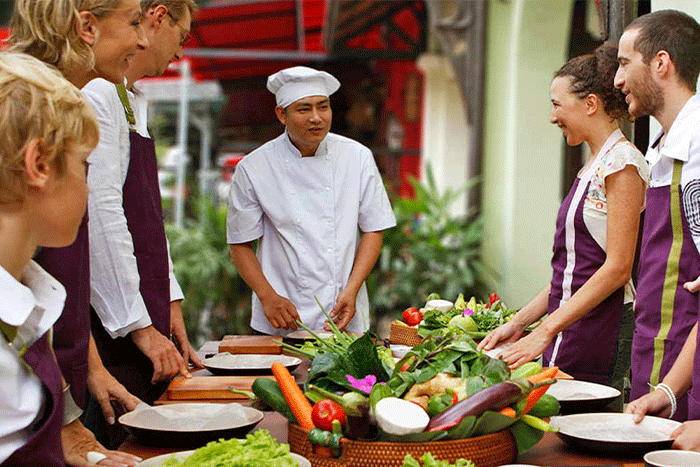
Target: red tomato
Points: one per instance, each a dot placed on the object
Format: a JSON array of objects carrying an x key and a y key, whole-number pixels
[
  {"x": 324, "y": 412},
  {"x": 412, "y": 316},
  {"x": 493, "y": 297}
]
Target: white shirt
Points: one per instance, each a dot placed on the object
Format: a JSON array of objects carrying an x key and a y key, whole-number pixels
[
  {"x": 306, "y": 212},
  {"x": 114, "y": 275},
  {"x": 683, "y": 144},
  {"x": 33, "y": 306}
]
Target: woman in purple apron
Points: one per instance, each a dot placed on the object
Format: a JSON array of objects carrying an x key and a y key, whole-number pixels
[
  {"x": 70, "y": 264},
  {"x": 595, "y": 237}
]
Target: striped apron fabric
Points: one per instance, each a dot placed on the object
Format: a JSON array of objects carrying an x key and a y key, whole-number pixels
[
  {"x": 586, "y": 349},
  {"x": 665, "y": 312}
]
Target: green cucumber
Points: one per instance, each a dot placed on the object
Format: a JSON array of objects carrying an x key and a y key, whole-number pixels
[
  {"x": 547, "y": 406},
  {"x": 528, "y": 369},
  {"x": 270, "y": 393}
]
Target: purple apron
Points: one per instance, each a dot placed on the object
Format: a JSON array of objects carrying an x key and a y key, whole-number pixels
[
  {"x": 144, "y": 217},
  {"x": 44, "y": 447},
  {"x": 664, "y": 312},
  {"x": 71, "y": 336},
  {"x": 586, "y": 349}
]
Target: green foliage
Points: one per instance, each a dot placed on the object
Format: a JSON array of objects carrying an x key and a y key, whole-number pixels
[
  {"x": 428, "y": 251},
  {"x": 217, "y": 300}
]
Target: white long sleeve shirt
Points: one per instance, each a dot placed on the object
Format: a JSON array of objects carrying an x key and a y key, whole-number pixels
[
  {"x": 114, "y": 276},
  {"x": 33, "y": 306}
]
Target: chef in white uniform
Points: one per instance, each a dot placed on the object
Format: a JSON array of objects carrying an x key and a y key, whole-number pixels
[{"x": 316, "y": 203}]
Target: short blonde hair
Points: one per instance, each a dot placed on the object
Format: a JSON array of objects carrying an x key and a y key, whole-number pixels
[
  {"x": 36, "y": 102},
  {"x": 46, "y": 29}
]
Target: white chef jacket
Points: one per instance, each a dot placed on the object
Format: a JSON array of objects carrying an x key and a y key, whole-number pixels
[
  {"x": 683, "y": 144},
  {"x": 33, "y": 306},
  {"x": 114, "y": 275},
  {"x": 306, "y": 212}
]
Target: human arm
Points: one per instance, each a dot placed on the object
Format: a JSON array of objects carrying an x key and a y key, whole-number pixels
[
  {"x": 279, "y": 311},
  {"x": 105, "y": 388},
  {"x": 114, "y": 279},
  {"x": 179, "y": 331},
  {"x": 687, "y": 436},
  {"x": 625, "y": 198},
  {"x": 366, "y": 257},
  {"x": 679, "y": 379},
  {"x": 78, "y": 441},
  {"x": 515, "y": 327}
]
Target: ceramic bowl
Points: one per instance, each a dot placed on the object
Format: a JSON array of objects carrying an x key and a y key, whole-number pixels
[{"x": 672, "y": 458}]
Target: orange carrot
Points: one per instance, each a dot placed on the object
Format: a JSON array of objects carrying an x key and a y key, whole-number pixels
[
  {"x": 533, "y": 397},
  {"x": 508, "y": 412},
  {"x": 547, "y": 373},
  {"x": 297, "y": 401}
]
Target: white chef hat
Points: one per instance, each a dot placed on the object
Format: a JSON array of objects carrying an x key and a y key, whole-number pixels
[{"x": 292, "y": 84}]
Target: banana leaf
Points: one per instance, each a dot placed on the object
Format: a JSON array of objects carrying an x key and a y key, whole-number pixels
[
  {"x": 525, "y": 436},
  {"x": 491, "y": 422}
]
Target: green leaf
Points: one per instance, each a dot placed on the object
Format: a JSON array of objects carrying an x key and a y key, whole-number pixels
[
  {"x": 463, "y": 428},
  {"x": 491, "y": 422},
  {"x": 495, "y": 371},
  {"x": 422, "y": 437},
  {"x": 525, "y": 436}
]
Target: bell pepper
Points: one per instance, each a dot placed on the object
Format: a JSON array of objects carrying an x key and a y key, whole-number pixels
[{"x": 324, "y": 412}]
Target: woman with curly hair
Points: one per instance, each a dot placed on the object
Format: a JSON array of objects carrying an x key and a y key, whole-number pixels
[{"x": 589, "y": 326}]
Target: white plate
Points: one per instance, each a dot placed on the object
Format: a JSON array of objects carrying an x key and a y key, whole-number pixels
[
  {"x": 190, "y": 424},
  {"x": 574, "y": 390},
  {"x": 228, "y": 364},
  {"x": 615, "y": 432},
  {"x": 158, "y": 461}
]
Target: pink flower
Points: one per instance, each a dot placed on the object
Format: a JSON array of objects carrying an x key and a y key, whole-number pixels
[
  {"x": 365, "y": 384},
  {"x": 468, "y": 312}
]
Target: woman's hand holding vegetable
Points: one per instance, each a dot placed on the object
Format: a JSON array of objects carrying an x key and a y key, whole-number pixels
[
  {"x": 505, "y": 333},
  {"x": 527, "y": 349}
]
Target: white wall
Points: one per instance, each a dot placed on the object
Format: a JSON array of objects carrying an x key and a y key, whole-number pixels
[
  {"x": 527, "y": 42},
  {"x": 445, "y": 144}
]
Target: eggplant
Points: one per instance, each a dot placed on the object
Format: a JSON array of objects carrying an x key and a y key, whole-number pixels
[{"x": 492, "y": 398}]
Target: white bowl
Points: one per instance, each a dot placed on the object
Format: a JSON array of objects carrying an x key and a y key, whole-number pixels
[
  {"x": 672, "y": 458},
  {"x": 399, "y": 351}
]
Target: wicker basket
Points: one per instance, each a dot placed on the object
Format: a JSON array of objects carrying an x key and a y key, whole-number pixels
[
  {"x": 404, "y": 335},
  {"x": 485, "y": 451}
]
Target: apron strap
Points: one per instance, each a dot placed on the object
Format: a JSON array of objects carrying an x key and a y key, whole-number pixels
[
  {"x": 670, "y": 286},
  {"x": 124, "y": 98},
  {"x": 9, "y": 332}
]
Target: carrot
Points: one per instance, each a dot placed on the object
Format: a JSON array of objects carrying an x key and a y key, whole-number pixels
[
  {"x": 547, "y": 373},
  {"x": 297, "y": 401},
  {"x": 508, "y": 412},
  {"x": 533, "y": 397}
]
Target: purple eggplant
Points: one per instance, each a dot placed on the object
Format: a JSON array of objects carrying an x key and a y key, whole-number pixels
[{"x": 492, "y": 398}]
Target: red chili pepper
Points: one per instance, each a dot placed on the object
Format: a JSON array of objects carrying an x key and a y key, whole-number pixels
[
  {"x": 412, "y": 316},
  {"x": 455, "y": 398},
  {"x": 493, "y": 297},
  {"x": 407, "y": 364},
  {"x": 324, "y": 412}
]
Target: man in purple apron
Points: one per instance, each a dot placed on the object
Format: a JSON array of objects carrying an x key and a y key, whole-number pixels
[
  {"x": 135, "y": 297},
  {"x": 658, "y": 71}
]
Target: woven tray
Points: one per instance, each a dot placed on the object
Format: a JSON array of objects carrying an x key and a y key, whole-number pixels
[
  {"x": 404, "y": 335},
  {"x": 485, "y": 451}
]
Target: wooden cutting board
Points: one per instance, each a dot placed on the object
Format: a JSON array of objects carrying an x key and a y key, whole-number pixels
[
  {"x": 210, "y": 387},
  {"x": 251, "y": 344}
]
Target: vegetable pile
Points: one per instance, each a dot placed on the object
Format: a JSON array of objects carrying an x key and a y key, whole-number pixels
[
  {"x": 257, "y": 449},
  {"x": 442, "y": 389}
]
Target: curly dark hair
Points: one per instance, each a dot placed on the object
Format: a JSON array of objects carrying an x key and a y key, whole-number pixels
[{"x": 595, "y": 74}]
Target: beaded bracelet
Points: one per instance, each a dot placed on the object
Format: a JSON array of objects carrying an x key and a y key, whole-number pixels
[{"x": 671, "y": 396}]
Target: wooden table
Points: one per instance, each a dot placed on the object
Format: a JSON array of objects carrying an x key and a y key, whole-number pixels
[{"x": 550, "y": 452}]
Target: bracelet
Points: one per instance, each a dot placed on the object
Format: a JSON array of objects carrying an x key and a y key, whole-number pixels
[
  {"x": 71, "y": 411},
  {"x": 671, "y": 396}
]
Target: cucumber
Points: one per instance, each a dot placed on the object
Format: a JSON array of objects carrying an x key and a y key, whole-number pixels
[
  {"x": 270, "y": 393},
  {"x": 528, "y": 369},
  {"x": 547, "y": 406}
]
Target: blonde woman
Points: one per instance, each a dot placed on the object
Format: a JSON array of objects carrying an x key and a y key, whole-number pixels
[{"x": 84, "y": 39}]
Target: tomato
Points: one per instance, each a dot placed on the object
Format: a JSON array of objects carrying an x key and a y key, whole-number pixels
[
  {"x": 412, "y": 316},
  {"x": 324, "y": 412},
  {"x": 493, "y": 298}
]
